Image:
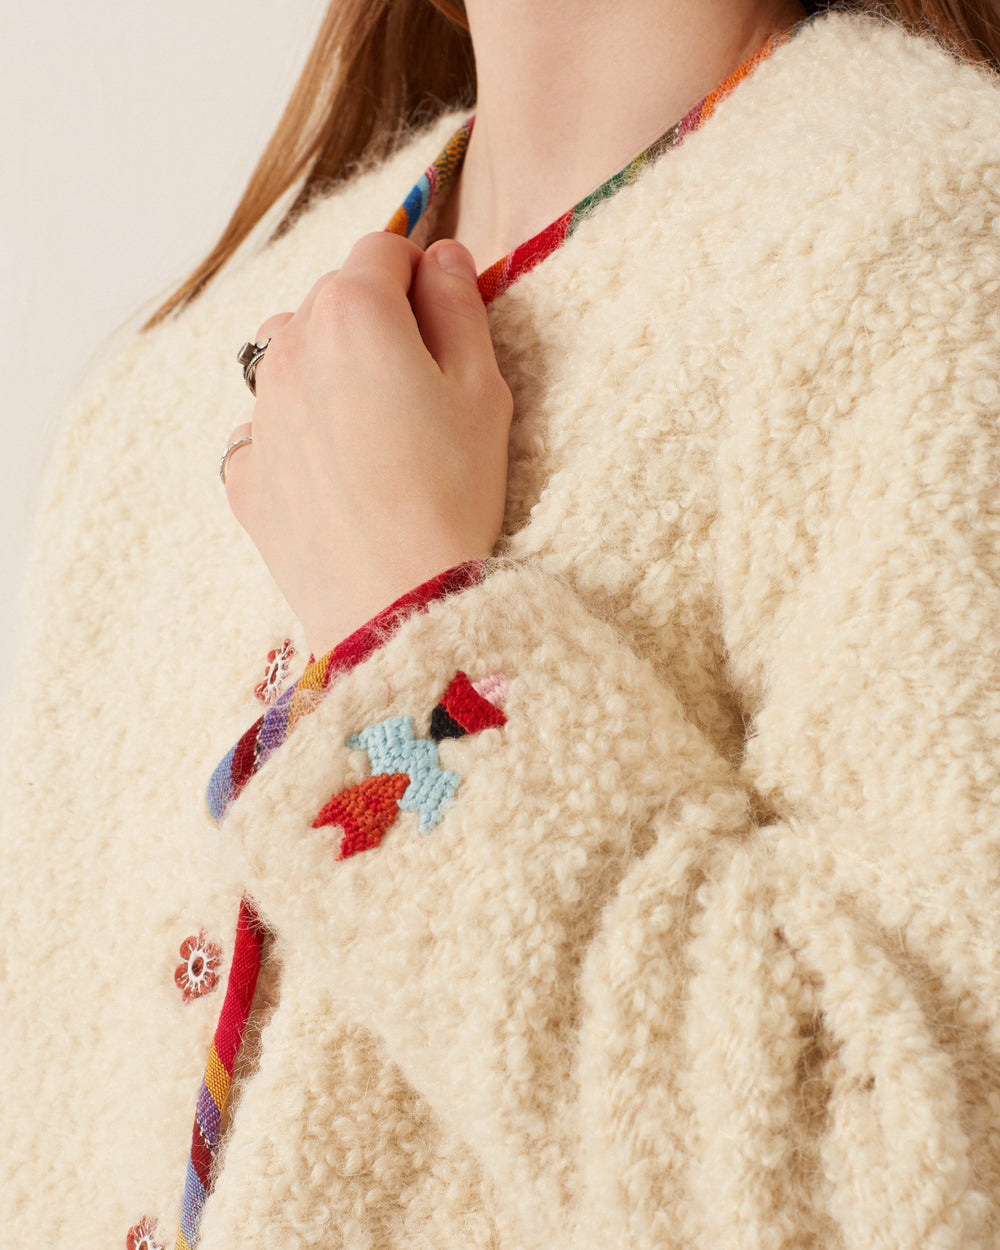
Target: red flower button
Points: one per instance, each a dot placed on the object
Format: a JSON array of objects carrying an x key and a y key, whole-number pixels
[
  {"x": 140, "y": 1236},
  {"x": 198, "y": 974},
  {"x": 278, "y": 663}
]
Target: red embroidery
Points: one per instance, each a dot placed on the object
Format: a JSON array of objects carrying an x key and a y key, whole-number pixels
[
  {"x": 140, "y": 1236},
  {"x": 198, "y": 974},
  {"x": 364, "y": 812},
  {"x": 468, "y": 708},
  {"x": 278, "y": 663}
]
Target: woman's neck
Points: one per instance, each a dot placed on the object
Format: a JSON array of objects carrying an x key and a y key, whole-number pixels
[{"x": 570, "y": 90}]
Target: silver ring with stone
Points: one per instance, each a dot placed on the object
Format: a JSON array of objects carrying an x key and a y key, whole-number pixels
[{"x": 250, "y": 356}]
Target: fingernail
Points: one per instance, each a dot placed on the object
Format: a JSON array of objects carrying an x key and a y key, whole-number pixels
[{"x": 453, "y": 258}]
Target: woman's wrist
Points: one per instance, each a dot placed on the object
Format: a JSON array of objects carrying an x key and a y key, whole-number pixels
[{"x": 355, "y": 624}]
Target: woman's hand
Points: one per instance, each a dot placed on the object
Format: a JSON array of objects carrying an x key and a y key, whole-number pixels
[{"x": 379, "y": 453}]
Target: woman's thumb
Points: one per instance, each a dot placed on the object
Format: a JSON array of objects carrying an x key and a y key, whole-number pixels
[
  {"x": 449, "y": 308},
  {"x": 452, "y": 257}
]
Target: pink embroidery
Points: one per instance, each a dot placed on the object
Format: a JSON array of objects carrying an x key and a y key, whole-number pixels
[
  {"x": 493, "y": 688},
  {"x": 140, "y": 1236},
  {"x": 278, "y": 665},
  {"x": 198, "y": 974}
]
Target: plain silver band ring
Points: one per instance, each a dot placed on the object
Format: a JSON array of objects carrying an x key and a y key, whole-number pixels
[
  {"x": 240, "y": 442},
  {"x": 250, "y": 356}
]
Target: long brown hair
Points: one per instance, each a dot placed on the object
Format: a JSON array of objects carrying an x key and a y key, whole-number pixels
[{"x": 380, "y": 68}]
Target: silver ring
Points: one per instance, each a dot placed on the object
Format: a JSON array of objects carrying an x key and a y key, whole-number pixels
[
  {"x": 250, "y": 356},
  {"x": 240, "y": 442}
]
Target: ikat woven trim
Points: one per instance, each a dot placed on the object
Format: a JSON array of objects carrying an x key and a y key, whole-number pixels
[
  {"x": 270, "y": 731},
  {"x": 439, "y": 175},
  {"x": 406, "y": 770},
  {"x": 499, "y": 276},
  {"x": 207, "y": 1132}
]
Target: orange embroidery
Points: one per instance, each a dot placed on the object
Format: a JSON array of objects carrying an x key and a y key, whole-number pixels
[{"x": 364, "y": 812}]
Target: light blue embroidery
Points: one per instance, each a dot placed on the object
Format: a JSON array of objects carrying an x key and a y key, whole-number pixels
[{"x": 392, "y": 748}]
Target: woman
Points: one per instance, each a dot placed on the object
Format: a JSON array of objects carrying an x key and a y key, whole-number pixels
[{"x": 637, "y": 887}]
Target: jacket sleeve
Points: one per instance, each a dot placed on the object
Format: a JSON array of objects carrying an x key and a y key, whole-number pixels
[
  {"x": 437, "y": 856},
  {"x": 650, "y": 989}
]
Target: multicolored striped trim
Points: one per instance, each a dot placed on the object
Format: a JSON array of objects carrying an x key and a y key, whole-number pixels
[
  {"x": 264, "y": 737},
  {"x": 439, "y": 175},
  {"x": 215, "y": 1087},
  {"x": 499, "y": 276}
]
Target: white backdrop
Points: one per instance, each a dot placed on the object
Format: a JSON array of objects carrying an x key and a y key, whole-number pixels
[{"x": 127, "y": 132}]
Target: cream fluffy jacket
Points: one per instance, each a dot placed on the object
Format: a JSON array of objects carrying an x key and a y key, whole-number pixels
[{"x": 705, "y": 952}]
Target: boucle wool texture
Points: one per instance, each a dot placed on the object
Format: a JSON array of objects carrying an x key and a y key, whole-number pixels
[{"x": 705, "y": 950}]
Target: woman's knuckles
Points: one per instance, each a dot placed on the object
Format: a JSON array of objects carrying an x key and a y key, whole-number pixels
[
  {"x": 366, "y": 318},
  {"x": 383, "y": 253},
  {"x": 271, "y": 326}
]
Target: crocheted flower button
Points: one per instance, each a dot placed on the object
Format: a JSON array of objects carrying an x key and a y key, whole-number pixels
[
  {"x": 140, "y": 1236},
  {"x": 198, "y": 974},
  {"x": 278, "y": 665}
]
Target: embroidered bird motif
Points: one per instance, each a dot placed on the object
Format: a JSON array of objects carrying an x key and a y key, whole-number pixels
[{"x": 406, "y": 770}]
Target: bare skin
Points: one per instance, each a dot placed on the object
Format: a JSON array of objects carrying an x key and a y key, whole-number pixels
[
  {"x": 570, "y": 90},
  {"x": 379, "y": 454}
]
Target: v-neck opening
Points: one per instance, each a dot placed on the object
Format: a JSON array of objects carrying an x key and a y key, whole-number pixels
[{"x": 496, "y": 279}]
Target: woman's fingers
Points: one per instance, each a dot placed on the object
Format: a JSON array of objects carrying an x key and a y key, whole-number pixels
[
  {"x": 450, "y": 311},
  {"x": 367, "y": 298},
  {"x": 455, "y": 330},
  {"x": 382, "y": 263},
  {"x": 271, "y": 326}
]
